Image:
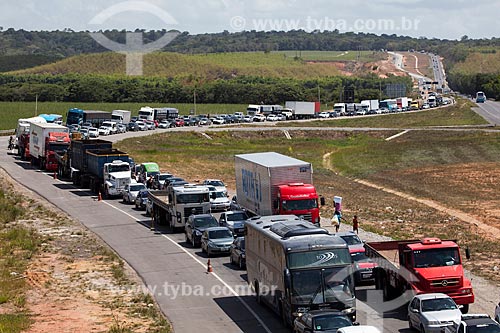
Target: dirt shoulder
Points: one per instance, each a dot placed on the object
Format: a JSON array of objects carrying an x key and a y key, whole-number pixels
[{"x": 74, "y": 282}]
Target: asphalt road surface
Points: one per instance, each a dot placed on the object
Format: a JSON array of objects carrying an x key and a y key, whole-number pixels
[{"x": 490, "y": 111}]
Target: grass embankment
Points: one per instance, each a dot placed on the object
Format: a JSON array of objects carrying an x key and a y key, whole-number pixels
[
  {"x": 201, "y": 66},
  {"x": 362, "y": 56},
  {"x": 17, "y": 247},
  {"x": 10, "y": 112},
  {"x": 458, "y": 114},
  {"x": 365, "y": 155}
]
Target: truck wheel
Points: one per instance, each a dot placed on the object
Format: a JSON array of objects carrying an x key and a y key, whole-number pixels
[{"x": 465, "y": 308}]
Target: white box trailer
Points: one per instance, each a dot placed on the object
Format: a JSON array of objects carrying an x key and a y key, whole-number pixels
[
  {"x": 303, "y": 110},
  {"x": 39, "y": 132},
  {"x": 260, "y": 175},
  {"x": 372, "y": 105},
  {"x": 121, "y": 116}
]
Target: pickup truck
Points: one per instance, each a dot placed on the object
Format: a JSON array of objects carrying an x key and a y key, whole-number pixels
[
  {"x": 473, "y": 323},
  {"x": 430, "y": 265}
]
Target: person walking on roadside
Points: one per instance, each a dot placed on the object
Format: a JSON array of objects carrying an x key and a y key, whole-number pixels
[
  {"x": 355, "y": 224},
  {"x": 336, "y": 220}
]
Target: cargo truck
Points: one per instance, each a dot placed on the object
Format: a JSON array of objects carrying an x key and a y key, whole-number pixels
[
  {"x": 78, "y": 117},
  {"x": 99, "y": 168},
  {"x": 75, "y": 158},
  {"x": 274, "y": 184},
  {"x": 23, "y": 127},
  {"x": 44, "y": 141},
  {"x": 303, "y": 110},
  {"x": 158, "y": 114},
  {"x": 340, "y": 109},
  {"x": 174, "y": 205},
  {"x": 430, "y": 265},
  {"x": 121, "y": 116},
  {"x": 371, "y": 106}
]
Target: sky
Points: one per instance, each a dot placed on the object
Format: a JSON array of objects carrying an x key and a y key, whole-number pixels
[{"x": 445, "y": 19}]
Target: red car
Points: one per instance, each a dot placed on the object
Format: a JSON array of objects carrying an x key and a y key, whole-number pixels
[{"x": 179, "y": 122}]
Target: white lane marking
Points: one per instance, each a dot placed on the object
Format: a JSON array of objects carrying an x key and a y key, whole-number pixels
[
  {"x": 242, "y": 301},
  {"x": 397, "y": 135}
]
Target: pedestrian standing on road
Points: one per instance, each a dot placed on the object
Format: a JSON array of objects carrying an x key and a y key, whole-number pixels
[
  {"x": 355, "y": 224},
  {"x": 149, "y": 183}
]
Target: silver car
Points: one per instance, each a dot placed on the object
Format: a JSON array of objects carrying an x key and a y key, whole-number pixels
[
  {"x": 216, "y": 240},
  {"x": 433, "y": 312}
]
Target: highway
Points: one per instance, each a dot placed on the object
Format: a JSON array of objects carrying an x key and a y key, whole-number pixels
[
  {"x": 174, "y": 272},
  {"x": 490, "y": 111}
]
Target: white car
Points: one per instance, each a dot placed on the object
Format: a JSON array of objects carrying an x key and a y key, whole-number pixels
[
  {"x": 324, "y": 114},
  {"x": 164, "y": 124},
  {"x": 247, "y": 119},
  {"x": 259, "y": 118},
  {"x": 272, "y": 117},
  {"x": 103, "y": 130},
  {"x": 217, "y": 183},
  {"x": 219, "y": 120},
  {"x": 219, "y": 201},
  {"x": 433, "y": 312},
  {"x": 142, "y": 125},
  {"x": 93, "y": 132},
  {"x": 130, "y": 192}
]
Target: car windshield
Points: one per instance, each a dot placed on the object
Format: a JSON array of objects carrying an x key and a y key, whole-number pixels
[
  {"x": 330, "y": 322},
  {"x": 436, "y": 257},
  {"x": 205, "y": 222},
  {"x": 320, "y": 286},
  {"x": 237, "y": 216},
  {"x": 351, "y": 239},
  {"x": 290, "y": 205},
  {"x": 215, "y": 183},
  {"x": 218, "y": 234},
  {"x": 220, "y": 194},
  {"x": 136, "y": 187},
  {"x": 359, "y": 257},
  {"x": 438, "y": 304}
]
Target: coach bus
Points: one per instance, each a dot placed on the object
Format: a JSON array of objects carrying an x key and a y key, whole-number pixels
[{"x": 294, "y": 267}]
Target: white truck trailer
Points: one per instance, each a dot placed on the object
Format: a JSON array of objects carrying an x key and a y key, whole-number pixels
[{"x": 303, "y": 110}]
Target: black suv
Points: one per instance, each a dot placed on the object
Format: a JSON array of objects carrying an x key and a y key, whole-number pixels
[
  {"x": 472, "y": 323},
  {"x": 195, "y": 226}
]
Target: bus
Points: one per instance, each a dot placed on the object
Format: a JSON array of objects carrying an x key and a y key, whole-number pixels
[
  {"x": 78, "y": 117},
  {"x": 294, "y": 266},
  {"x": 148, "y": 113},
  {"x": 480, "y": 97}
]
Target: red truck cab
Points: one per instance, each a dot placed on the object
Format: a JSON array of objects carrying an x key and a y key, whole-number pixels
[
  {"x": 298, "y": 199},
  {"x": 55, "y": 142},
  {"x": 438, "y": 266}
]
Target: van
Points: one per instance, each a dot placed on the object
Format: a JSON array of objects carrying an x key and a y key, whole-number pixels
[{"x": 145, "y": 170}]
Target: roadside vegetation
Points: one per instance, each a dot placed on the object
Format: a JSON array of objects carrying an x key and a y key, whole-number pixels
[
  {"x": 340, "y": 157},
  {"x": 330, "y": 56}
]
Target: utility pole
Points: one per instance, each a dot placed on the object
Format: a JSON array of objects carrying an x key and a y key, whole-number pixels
[
  {"x": 36, "y": 104},
  {"x": 194, "y": 99},
  {"x": 319, "y": 94}
]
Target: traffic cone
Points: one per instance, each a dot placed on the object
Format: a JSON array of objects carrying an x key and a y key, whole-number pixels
[
  {"x": 99, "y": 196},
  {"x": 209, "y": 267},
  {"x": 55, "y": 175}
]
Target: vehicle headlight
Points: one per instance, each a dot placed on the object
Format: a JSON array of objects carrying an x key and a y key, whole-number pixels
[
  {"x": 243, "y": 255},
  {"x": 197, "y": 233},
  {"x": 466, "y": 291},
  {"x": 434, "y": 322},
  {"x": 349, "y": 310}
]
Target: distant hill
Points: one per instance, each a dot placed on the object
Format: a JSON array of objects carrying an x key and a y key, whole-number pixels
[
  {"x": 16, "y": 62},
  {"x": 199, "y": 66}
]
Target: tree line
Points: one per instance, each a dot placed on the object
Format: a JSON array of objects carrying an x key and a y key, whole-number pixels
[{"x": 240, "y": 90}]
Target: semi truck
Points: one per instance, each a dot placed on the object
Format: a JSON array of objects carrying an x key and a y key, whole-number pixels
[
  {"x": 429, "y": 265},
  {"x": 303, "y": 110},
  {"x": 174, "y": 205},
  {"x": 121, "y": 116},
  {"x": 403, "y": 103},
  {"x": 78, "y": 117},
  {"x": 340, "y": 109},
  {"x": 23, "y": 127},
  {"x": 44, "y": 141},
  {"x": 95, "y": 165},
  {"x": 294, "y": 267},
  {"x": 273, "y": 184},
  {"x": 148, "y": 113}
]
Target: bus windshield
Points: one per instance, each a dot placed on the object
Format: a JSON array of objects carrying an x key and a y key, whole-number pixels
[
  {"x": 320, "y": 286},
  {"x": 74, "y": 118}
]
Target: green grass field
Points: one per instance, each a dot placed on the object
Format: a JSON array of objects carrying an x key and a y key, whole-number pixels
[
  {"x": 363, "y": 56},
  {"x": 10, "y": 112}
]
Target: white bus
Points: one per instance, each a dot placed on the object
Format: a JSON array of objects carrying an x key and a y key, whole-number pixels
[{"x": 294, "y": 266}]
